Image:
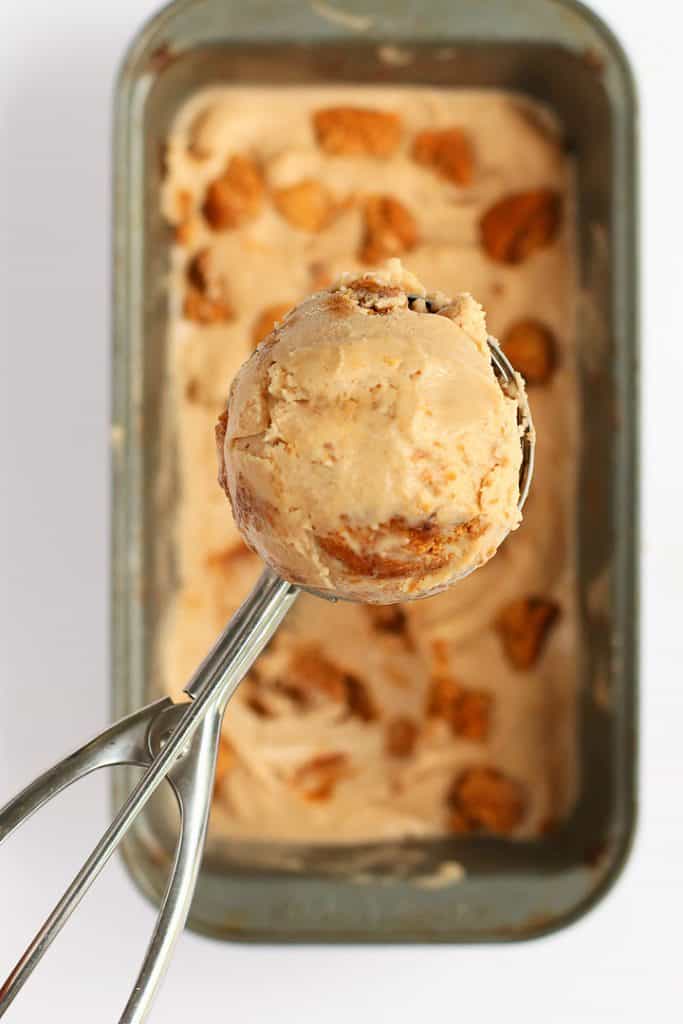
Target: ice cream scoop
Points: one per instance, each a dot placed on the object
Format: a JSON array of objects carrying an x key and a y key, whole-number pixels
[{"x": 368, "y": 449}]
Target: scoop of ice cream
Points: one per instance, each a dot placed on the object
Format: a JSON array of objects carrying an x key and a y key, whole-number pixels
[{"x": 367, "y": 447}]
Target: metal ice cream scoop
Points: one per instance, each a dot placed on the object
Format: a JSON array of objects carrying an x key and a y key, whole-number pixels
[{"x": 179, "y": 742}]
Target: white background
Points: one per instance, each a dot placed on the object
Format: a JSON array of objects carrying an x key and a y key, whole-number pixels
[{"x": 57, "y": 62}]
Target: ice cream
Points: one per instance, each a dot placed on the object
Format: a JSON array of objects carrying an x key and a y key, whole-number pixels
[
  {"x": 366, "y": 723},
  {"x": 367, "y": 447}
]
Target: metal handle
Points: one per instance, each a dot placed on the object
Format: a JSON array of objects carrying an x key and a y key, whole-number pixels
[
  {"x": 210, "y": 688},
  {"x": 192, "y": 782},
  {"x": 123, "y": 743}
]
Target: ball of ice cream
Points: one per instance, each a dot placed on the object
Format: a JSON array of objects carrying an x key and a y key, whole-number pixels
[{"x": 367, "y": 448}]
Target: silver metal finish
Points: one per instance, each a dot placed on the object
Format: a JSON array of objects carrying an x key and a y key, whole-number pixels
[
  {"x": 507, "y": 378},
  {"x": 177, "y": 742}
]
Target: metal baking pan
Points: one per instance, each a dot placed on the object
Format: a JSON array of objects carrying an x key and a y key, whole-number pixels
[{"x": 555, "y": 51}]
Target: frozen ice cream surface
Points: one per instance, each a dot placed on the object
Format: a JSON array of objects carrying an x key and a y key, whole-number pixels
[
  {"x": 367, "y": 446},
  {"x": 363, "y": 723}
]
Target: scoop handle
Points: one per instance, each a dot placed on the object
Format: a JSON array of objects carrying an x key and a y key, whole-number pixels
[{"x": 158, "y": 737}]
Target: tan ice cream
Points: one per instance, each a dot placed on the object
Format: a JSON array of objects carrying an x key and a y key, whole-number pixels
[
  {"x": 456, "y": 714},
  {"x": 367, "y": 446}
]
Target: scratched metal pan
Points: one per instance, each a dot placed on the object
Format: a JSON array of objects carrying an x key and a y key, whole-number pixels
[{"x": 557, "y": 52}]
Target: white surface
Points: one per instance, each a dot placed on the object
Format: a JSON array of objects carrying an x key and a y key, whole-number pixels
[{"x": 57, "y": 62}]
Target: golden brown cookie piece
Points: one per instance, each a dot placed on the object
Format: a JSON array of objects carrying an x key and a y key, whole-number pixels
[
  {"x": 443, "y": 691},
  {"x": 206, "y": 297},
  {"x": 236, "y": 197},
  {"x": 470, "y": 715},
  {"x": 357, "y": 131},
  {"x": 467, "y": 711},
  {"x": 390, "y": 229},
  {"x": 308, "y": 205},
  {"x": 376, "y": 296},
  {"x": 311, "y": 671},
  {"x": 521, "y": 223},
  {"x": 388, "y": 618},
  {"x": 267, "y": 319},
  {"x": 531, "y": 348},
  {"x": 406, "y": 548},
  {"x": 448, "y": 152},
  {"x": 359, "y": 700},
  {"x": 457, "y": 823},
  {"x": 523, "y": 626},
  {"x": 482, "y": 798},
  {"x": 256, "y": 695},
  {"x": 186, "y": 232},
  {"x": 318, "y": 778},
  {"x": 204, "y": 309},
  {"x": 401, "y": 736}
]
